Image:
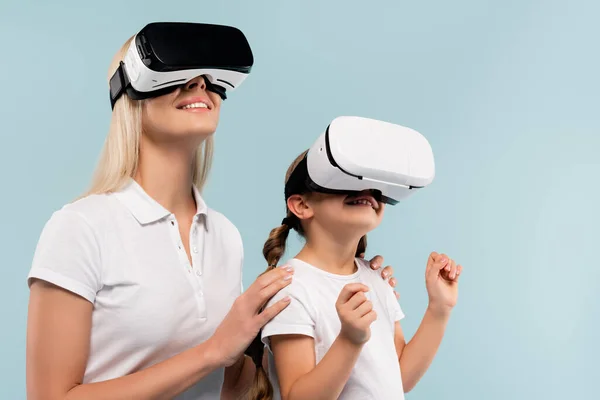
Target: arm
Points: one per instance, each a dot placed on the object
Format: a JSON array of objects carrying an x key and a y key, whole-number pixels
[
  {"x": 58, "y": 334},
  {"x": 416, "y": 356},
  {"x": 59, "y": 324},
  {"x": 300, "y": 378},
  {"x": 442, "y": 285}
]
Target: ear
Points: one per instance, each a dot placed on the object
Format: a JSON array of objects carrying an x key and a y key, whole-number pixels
[{"x": 299, "y": 207}]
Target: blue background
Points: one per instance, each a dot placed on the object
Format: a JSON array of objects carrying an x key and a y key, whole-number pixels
[{"x": 507, "y": 92}]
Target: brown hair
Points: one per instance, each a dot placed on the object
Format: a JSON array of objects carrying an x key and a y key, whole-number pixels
[{"x": 273, "y": 250}]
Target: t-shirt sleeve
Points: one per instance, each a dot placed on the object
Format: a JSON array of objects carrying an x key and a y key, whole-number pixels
[
  {"x": 67, "y": 255},
  {"x": 297, "y": 318},
  {"x": 393, "y": 306}
]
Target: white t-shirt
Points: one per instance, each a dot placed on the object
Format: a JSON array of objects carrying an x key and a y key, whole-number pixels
[
  {"x": 123, "y": 253},
  {"x": 311, "y": 312}
]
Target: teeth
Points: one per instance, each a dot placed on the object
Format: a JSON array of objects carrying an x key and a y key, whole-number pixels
[
  {"x": 194, "y": 105},
  {"x": 362, "y": 201}
]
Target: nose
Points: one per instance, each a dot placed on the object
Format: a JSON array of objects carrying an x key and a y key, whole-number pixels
[{"x": 194, "y": 83}]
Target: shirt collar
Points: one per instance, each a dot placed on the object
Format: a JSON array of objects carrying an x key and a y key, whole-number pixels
[{"x": 147, "y": 210}]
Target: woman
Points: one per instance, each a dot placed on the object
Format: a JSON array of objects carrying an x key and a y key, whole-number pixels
[{"x": 135, "y": 289}]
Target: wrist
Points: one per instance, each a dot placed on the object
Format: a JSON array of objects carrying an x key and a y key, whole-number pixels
[
  {"x": 439, "y": 311},
  {"x": 348, "y": 343},
  {"x": 211, "y": 352}
]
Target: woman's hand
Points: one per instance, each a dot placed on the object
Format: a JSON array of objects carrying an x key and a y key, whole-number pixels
[
  {"x": 245, "y": 319},
  {"x": 386, "y": 273},
  {"x": 441, "y": 280}
]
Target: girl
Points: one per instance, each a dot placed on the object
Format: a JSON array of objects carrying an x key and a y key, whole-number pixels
[{"x": 340, "y": 336}]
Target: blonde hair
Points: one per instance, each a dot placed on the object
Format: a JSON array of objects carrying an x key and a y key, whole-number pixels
[
  {"x": 273, "y": 250},
  {"x": 120, "y": 155}
]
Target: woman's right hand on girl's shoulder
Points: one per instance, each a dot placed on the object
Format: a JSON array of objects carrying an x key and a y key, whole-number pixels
[
  {"x": 246, "y": 317},
  {"x": 356, "y": 313}
]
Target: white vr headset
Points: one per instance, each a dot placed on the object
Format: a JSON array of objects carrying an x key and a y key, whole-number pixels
[
  {"x": 357, "y": 154},
  {"x": 166, "y": 55}
]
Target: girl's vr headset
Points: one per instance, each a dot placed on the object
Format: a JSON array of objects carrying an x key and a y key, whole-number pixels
[
  {"x": 355, "y": 154},
  {"x": 166, "y": 55}
]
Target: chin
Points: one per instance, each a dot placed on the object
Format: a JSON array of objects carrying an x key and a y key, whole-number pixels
[
  {"x": 193, "y": 131},
  {"x": 358, "y": 226},
  {"x": 198, "y": 122},
  {"x": 202, "y": 130}
]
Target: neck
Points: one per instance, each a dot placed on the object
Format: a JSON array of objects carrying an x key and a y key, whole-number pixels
[
  {"x": 329, "y": 252},
  {"x": 165, "y": 173}
]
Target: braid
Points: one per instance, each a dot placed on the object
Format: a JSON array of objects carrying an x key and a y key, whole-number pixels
[
  {"x": 274, "y": 247},
  {"x": 261, "y": 388},
  {"x": 273, "y": 250}
]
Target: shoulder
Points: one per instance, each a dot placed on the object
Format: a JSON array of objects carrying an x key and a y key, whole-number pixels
[
  {"x": 300, "y": 315},
  {"x": 93, "y": 210},
  {"x": 222, "y": 228},
  {"x": 299, "y": 288},
  {"x": 373, "y": 277},
  {"x": 366, "y": 269},
  {"x": 89, "y": 221},
  {"x": 305, "y": 275},
  {"x": 84, "y": 213},
  {"x": 69, "y": 251},
  {"x": 219, "y": 221},
  {"x": 382, "y": 289}
]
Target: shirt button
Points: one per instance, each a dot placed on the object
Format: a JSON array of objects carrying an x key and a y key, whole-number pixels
[
  {"x": 198, "y": 273},
  {"x": 195, "y": 249}
]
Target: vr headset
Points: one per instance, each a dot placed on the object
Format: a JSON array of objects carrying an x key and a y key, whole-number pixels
[
  {"x": 166, "y": 55},
  {"x": 356, "y": 154}
]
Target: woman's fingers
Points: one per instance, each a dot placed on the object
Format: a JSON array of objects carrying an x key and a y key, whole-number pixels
[
  {"x": 376, "y": 262},
  {"x": 273, "y": 275},
  {"x": 387, "y": 272},
  {"x": 275, "y": 286},
  {"x": 271, "y": 312},
  {"x": 267, "y": 285}
]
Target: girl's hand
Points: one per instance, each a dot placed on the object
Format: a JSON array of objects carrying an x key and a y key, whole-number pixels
[
  {"x": 441, "y": 280},
  {"x": 356, "y": 313}
]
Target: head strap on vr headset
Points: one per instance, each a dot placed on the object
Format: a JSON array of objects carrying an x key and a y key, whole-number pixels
[{"x": 300, "y": 182}]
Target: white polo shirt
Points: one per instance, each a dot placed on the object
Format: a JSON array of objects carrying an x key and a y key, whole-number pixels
[{"x": 123, "y": 253}]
